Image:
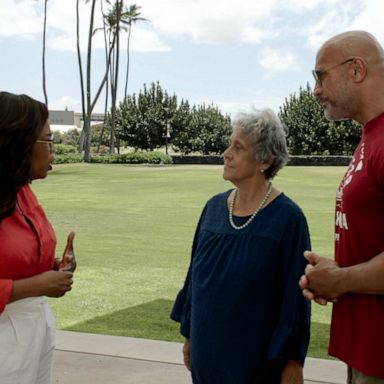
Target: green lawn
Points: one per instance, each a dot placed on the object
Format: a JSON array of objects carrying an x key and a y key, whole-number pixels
[{"x": 134, "y": 227}]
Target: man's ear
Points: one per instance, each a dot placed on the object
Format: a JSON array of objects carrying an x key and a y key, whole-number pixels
[{"x": 359, "y": 68}]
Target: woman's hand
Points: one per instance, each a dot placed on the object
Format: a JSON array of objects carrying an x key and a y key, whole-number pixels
[
  {"x": 54, "y": 283},
  {"x": 68, "y": 261},
  {"x": 292, "y": 373},
  {"x": 187, "y": 353},
  {"x": 50, "y": 283}
]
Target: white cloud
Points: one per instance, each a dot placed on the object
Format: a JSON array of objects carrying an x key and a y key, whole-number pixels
[
  {"x": 202, "y": 21},
  {"x": 141, "y": 40},
  {"x": 344, "y": 16},
  {"x": 304, "y": 6},
  {"x": 214, "y": 21},
  {"x": 278, "y": 60},
  {"x": 62, "y": 16},
  {"x": 24, "y": 20},
  {"x": 371, "y": 18},
  {"x": 19, "y": 19}
]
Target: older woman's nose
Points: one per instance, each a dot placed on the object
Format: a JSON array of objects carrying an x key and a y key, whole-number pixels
[{"x": 226, "y": 153}]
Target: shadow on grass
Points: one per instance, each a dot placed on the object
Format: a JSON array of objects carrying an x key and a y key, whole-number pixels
[{"x": 149, "y": 320}]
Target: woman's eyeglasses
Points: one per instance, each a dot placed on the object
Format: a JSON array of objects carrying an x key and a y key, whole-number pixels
[{"x": 50, "y": 141}]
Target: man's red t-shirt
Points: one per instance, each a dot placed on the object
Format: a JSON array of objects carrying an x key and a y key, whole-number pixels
[
  {"x": 27, "y": 243},
  {"x": 357, "y": 328}
]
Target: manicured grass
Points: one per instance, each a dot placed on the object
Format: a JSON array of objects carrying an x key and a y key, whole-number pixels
[{"x": 134, "y": 227}]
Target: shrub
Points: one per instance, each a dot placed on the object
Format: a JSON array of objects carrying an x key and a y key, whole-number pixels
[
  {"x": 64, "y": 149},
  {"x": 153, "y": 157},
  {"x": 68, "y": 158}
]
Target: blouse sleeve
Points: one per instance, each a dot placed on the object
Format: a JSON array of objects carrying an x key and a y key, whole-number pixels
[
  {"x": 6, "y": 286},
  {"x": 291, "y": 337},
  {"x": 181, "y": 311}
]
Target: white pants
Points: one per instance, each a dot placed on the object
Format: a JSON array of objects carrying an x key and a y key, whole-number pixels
[{"x": 27, "y": 341}]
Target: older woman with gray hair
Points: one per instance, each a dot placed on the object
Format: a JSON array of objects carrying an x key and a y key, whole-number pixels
[{"x": 241, "y": 310}]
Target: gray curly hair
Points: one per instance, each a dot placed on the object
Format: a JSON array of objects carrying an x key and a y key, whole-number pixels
[{"x": 268, "y": 136}]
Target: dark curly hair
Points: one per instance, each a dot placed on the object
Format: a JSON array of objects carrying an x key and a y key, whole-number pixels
[{"x": 21, "y": 121}]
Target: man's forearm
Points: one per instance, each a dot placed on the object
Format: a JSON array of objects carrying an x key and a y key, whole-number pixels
[{"x": 364, "y": 278}]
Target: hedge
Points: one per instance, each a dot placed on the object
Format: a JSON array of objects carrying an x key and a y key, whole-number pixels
[
  {"x": 154, "y": 157},
  {"x": 157, "y": 157}
]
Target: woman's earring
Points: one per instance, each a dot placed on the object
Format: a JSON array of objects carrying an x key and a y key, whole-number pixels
[{"x": 262, "y": 170}]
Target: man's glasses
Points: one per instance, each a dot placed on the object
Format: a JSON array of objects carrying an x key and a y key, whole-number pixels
[
  {"x": 50, "y": 141},
  {"x": 319, "y": 75}
]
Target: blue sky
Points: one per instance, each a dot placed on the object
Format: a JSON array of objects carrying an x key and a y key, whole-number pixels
[{"x": 234, "y": 54}]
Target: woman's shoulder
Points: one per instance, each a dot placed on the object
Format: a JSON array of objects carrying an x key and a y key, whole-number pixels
[
  {"x": 26, "y": 198},
  {"x": 219, "y": 198},
  {"x": 283, "y": 202}
]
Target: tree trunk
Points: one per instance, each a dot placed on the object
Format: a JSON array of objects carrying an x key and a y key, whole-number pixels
[
  {"x": 86, "y": 99},
  {"x": 43, "y": 58},
  {"x": 81, "y": 141},
  {"x": 127, "y": 73},
  {"x": 119, "y": 5},
  {"x": 106, "y": 84}
]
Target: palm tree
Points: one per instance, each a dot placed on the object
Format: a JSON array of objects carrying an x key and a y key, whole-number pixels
[
  {"x": 87, "y": 103},
  {"x": 106, "y": 44},
  {"x": 112, "y": 21},
  {"x": 130, "y": 17},
  {"x": 43, "y": 58},
  {"x": 81, "y": 143}
]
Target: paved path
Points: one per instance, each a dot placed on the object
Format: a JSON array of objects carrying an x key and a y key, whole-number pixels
[{"x": 83, "y": 358}]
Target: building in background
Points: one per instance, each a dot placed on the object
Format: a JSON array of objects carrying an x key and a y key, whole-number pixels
[{"x": 66, "y": 120}]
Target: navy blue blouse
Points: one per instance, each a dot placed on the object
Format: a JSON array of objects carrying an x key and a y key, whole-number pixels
[{"x": 241, "y": 306}]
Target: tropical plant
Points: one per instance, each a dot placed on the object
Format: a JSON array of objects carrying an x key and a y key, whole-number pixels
[
  {"x": 130, "y": 17},
  {"x": 106, "y": 45},
  {"x": 116, "y": 19},
  {"x": 148, "y": 120},
  {"x": 310, "y": 133},
  {"x": 142, "y": 120},
  {"x": 206, "y": 131},
  {"x": 43, "y": 53},
  {"x": 113, "y": 20},
  {"x": 87, "y": 103}
]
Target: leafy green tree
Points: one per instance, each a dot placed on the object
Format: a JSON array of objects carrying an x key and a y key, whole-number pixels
[
  {"x": 143, "y": 123},
  {"x": 310, "y": 133},
  {"x": 70, "y": 137},
  {"x": 180, "y": 124},
  {"x": 142, "y": 119},
  {"x": 206, "y": 131}
]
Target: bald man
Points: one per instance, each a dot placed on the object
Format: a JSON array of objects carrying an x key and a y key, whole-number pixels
[{"x": 349, "y": 77}]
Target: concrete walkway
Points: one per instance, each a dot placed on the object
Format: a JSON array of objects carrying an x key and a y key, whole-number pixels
[{"x": 83, "y": 358}]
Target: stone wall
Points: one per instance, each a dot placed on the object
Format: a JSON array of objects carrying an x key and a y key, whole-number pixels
[{"x": 294, "y": 160}]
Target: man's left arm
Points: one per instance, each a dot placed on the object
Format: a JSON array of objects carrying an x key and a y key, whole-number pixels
[{"x": 365, "y": 278}]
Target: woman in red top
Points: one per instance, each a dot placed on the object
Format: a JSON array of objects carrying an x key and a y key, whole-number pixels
[{"x": 29, "y": 270}]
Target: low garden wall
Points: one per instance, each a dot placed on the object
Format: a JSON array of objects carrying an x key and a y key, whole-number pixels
[{"x": 294, "y": 160}]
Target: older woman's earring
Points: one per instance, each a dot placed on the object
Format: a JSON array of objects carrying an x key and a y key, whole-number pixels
[{"x": 262, "y": 170}]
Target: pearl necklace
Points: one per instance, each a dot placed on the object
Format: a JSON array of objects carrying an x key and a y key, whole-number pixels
[{"x": 259, "y": 208}]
